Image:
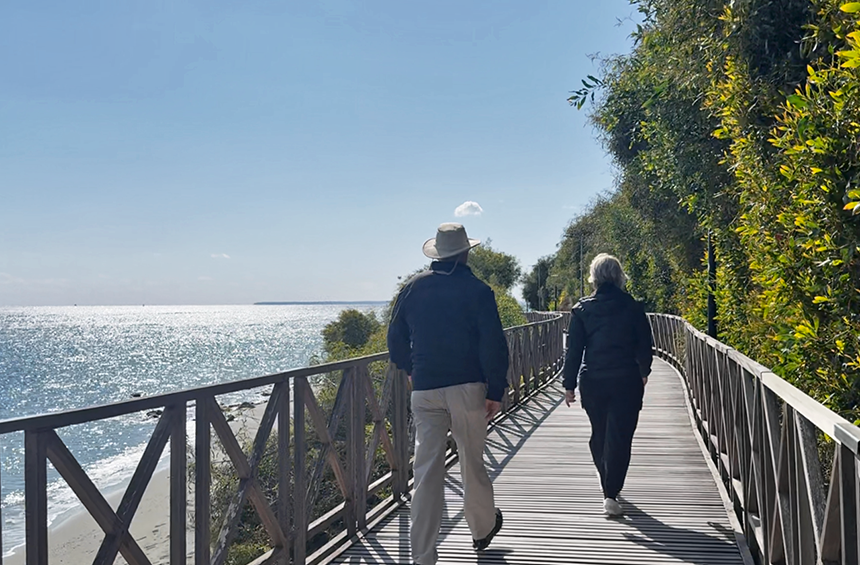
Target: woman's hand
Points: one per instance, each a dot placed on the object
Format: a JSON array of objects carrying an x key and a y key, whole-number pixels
[{"x": 569, "y": 397}]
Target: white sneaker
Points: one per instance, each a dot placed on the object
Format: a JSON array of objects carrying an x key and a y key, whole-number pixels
[{"x": 612, "y": 508}]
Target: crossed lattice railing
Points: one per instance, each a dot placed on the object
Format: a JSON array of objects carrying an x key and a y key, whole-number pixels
[
  {"x": 360, "y": 439},
  {"x": 789, "y": 465}
]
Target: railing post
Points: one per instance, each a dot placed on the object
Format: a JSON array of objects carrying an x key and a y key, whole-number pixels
[
  {"x": 525, "y": 359},
  {"x": 36, "y": 498},
  {"x": 202, "y": 484},
  {"x": 534, "y": 346},
  {"x": 356, "y": 449},
  {"x": 848, "y": 505},
  {"x": 178, "y": 486},
  {"x": 284, "y": 464},
  {"x": 350, "y": 517},
  {"x": 401, "y": 433},
  {"x": 516, "y": 364},
  {"x": 511, "y": 376},
  {"x": 300, "y": 386}
]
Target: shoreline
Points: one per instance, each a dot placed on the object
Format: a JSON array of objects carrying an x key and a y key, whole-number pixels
[{"x": 76, "y": 538}]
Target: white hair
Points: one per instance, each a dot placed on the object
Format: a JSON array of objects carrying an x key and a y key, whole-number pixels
[{"x": 606, "y": 268}]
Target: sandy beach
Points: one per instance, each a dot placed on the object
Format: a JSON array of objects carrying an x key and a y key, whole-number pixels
[{"x": 76, "y": 539}]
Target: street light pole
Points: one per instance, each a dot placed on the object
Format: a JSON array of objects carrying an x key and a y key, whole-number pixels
[{"x": 712, "y": 285}]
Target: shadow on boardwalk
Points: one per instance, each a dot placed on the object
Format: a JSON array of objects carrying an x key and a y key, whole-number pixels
[
  {"x": 683, "y": 544},
  {"x": 547, "y": 487}
]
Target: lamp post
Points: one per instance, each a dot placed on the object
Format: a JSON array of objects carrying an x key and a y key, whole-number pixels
[{"x": 712, "y": 285}]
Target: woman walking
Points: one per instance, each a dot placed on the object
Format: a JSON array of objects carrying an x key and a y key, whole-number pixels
[{"x": 613, "y": 332}]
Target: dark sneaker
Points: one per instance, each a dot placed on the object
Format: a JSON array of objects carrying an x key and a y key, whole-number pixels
[{"x": 482, "y": 544}]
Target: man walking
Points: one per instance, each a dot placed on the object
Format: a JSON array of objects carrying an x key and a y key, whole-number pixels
[{"x": 445, "y": 332}]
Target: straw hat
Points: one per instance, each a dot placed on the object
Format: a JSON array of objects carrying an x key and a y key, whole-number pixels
[{"x": 450, "y": 241}]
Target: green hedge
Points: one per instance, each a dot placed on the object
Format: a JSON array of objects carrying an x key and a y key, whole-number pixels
[{"x": 739, "y": 119}]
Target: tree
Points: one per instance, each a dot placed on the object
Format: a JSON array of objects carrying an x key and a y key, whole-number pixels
[
  {"x": 495, "y": 268},
  {"x": 535, "y": 285},
  {"x": 352, "y": 329},
  {"x": 739, "y": 120}
]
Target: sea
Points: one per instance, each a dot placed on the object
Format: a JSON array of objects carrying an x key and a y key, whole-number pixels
[{"x": 60, "y": 358}]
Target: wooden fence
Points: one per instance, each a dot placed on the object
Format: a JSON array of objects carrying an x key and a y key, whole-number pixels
[
  {"x": 371, "y": 394},
  {"x": 789, "y": 464}
]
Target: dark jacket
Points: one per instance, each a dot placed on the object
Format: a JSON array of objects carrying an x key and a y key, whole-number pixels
[
  {"x": 445, "y": 330},
  {"x": 613, "y": 331}
]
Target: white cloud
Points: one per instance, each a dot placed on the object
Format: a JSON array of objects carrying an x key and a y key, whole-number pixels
[
  {"x": 6, "y": 278},
  {"x": 220, "y": 256},
  {"x": 204, "y": 278},
  {"x": 468, "y": 208}
]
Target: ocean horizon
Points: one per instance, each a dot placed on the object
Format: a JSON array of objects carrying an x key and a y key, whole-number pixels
[{"x": 57, "y": 358}]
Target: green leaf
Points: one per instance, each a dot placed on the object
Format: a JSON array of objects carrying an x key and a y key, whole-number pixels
[
  {"x": 820, "y": 299},
  {"x": 851, "y": 7},
  {"x": 798, "y": 101}
]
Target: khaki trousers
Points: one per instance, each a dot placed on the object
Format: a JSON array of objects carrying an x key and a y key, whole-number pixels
[{"x": 461, "y": 409}]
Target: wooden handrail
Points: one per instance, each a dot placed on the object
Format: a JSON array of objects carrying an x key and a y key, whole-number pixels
[
  {"x": 103, "y": 411},
  {"x": 536, "y": 356},
  {"x": 766, "y": 439}
]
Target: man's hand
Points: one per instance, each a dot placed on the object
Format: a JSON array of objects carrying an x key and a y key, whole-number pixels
[
  {"x": 644, "y": 381},
  {"x": 493, "y": 408},
  {"x": 569, "y": 397}
]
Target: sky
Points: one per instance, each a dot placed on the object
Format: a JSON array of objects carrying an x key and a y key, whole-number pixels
[{"x": 207, "y": 152}]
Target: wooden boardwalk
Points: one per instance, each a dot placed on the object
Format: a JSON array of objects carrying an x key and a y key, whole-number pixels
[{"x": 547, "y": 487}]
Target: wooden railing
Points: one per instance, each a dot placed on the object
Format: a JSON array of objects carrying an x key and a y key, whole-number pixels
[
  {"x": 532, "y": 317},
  {"x": 789, "y": 465},
  {"x": 371, "y": 393}
]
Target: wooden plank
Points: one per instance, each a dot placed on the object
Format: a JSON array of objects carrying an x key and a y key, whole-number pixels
[
  {"x": 285, "y": 507},
  {"x": 400, "y": 431},
  {"x": 350, "y": 515},
  {"x": 512, "y": 377},
  {"x": 356, "y": 446},
  {"x": 202, "y": 484},
  {"x": 90, "y": 497},
  {"x": 36, "y": 498},
  {"x": 178, "y": 487},
  {"x": 848, "y": 505},
  {"x": 300, "y": 386}
]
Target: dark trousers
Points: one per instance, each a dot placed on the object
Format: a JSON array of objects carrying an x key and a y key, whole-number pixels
[{"x": 613, "y": 407}]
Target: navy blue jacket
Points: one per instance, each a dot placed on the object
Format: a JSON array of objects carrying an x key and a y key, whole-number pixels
[
  {"x": 613, "y": 331},
  {"x": 445, "y": 330}
]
